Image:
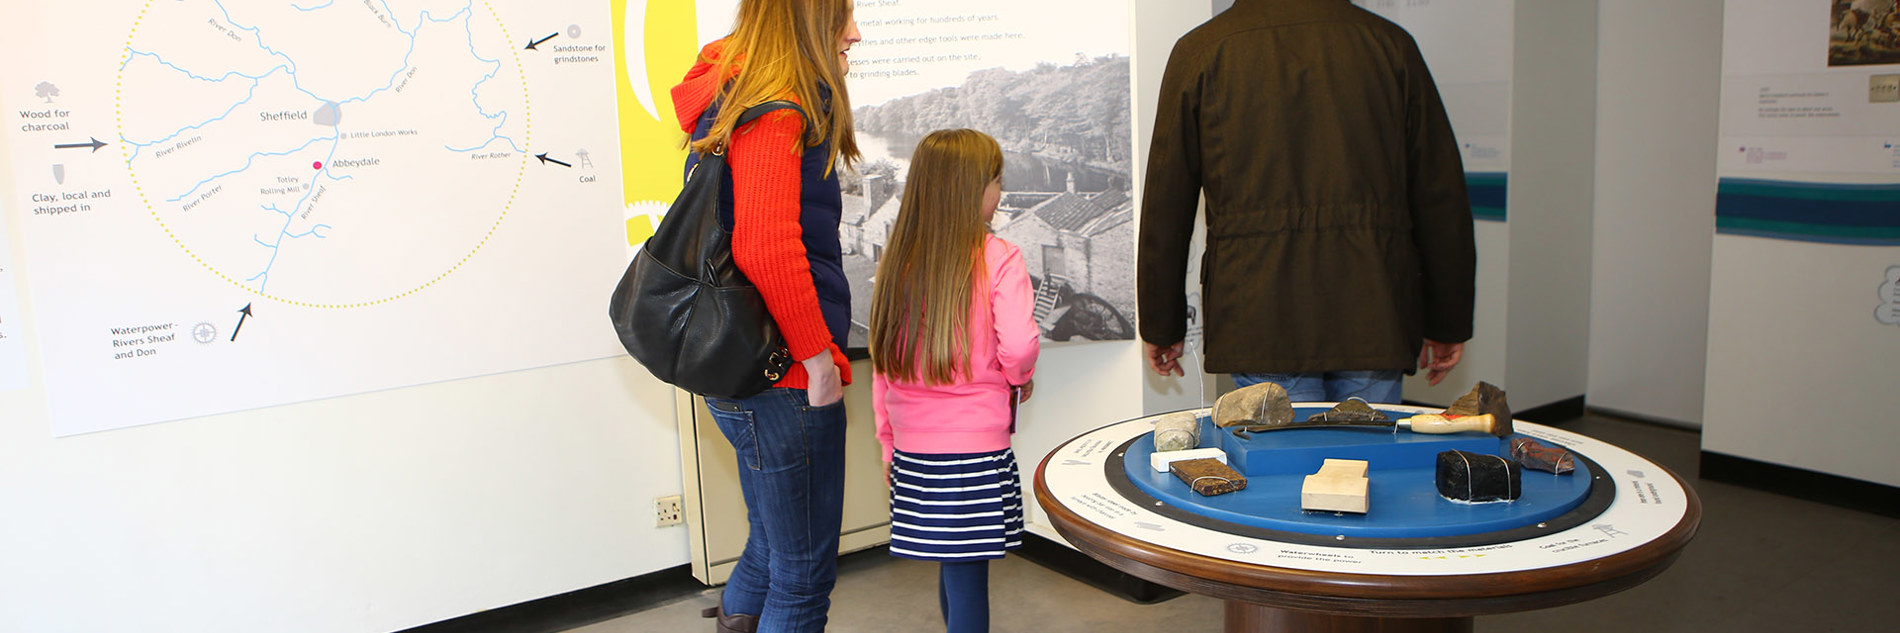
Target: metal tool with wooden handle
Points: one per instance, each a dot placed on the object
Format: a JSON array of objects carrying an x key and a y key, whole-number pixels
[{"x": 1425, "y": 423}]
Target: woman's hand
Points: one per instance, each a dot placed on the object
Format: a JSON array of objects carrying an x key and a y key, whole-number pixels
[{"x": 823, "y": 386}]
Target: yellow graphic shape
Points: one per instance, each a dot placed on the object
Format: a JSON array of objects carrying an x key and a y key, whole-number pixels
[
  {"x": 643, "y": 218},
  {"x": 656, "y": 49}
]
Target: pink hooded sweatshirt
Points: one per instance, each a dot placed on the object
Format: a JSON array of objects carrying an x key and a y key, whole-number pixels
[{"x": 972, "y": 415}]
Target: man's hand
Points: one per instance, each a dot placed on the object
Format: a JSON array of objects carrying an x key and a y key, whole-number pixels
[
  {"x": 1164, "y": 360},
  {"x": 823, "y": 385},
  {"x": 1438, "y": 359}
]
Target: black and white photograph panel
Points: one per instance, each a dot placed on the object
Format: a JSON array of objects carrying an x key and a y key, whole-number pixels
[{"x": 1049, "y": 80}]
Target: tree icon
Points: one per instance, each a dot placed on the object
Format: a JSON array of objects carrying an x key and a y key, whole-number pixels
[{"x": 46, "y": 90}]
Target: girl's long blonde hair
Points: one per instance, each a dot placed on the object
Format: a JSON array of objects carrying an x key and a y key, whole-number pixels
[
  {"x": 786, "y": 48},
  {"x": 933, "y": 261}
]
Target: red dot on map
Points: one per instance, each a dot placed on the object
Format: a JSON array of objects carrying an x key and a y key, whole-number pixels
[{"x": 316, "y": 165}]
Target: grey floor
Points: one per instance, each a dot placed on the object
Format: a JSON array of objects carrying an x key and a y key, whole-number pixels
[{"x": 1761, "y": 562}]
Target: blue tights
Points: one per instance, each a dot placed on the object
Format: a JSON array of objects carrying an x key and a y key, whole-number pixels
[{"x": 963, "y": 592}]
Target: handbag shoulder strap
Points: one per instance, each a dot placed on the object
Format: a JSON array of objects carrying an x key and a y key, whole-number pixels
[{"x": 760, "y": 110}]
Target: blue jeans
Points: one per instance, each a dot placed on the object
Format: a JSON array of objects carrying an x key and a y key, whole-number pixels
[
  {"x": 791, "y": 472},
  {"x": 1375, "y": 387}
]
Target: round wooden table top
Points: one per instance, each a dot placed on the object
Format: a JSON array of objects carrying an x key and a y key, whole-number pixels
[{"x": 1638, "y": 536}]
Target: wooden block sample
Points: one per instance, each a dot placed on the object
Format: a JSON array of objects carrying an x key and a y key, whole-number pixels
[
  {"x": 1339, "y": 486},
  {"x": 1208, "y": 477},
  {"x": 1343, "y": 468}
]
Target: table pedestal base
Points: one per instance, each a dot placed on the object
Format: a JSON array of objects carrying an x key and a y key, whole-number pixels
[{"x": 1245, "y": 617}]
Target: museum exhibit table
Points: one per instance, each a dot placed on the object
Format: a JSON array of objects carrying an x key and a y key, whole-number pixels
[{"x": 1415, "y": 561}]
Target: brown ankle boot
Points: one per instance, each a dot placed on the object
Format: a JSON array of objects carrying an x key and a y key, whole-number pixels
[{"x": 727, "y": 623}]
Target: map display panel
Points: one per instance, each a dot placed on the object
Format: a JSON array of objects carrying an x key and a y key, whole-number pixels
[{"x": 229, "y": 205}]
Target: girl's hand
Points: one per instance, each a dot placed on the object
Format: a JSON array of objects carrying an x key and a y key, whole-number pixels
[
  {"x": 823, "y": 386},
  {"x": 1026, "y": 389},
  {"x": 887, "y": 474}
]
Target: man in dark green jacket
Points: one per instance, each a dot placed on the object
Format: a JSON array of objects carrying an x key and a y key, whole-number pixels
[{"x": 1339, "y": 238}]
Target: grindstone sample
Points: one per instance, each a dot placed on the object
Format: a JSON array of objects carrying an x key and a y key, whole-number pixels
[
  {"x": 1478, "y": 478},
  {"x": 1208, "y": 477},
  {"x": 1177, "y": 431},
  {"x": 1265, "y": 403}
]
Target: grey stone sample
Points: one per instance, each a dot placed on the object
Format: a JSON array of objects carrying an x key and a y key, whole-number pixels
[{"x": 1177, "y": 431}]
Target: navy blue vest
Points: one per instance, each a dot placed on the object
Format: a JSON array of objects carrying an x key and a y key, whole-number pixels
[{"x": 821, "y": 207}]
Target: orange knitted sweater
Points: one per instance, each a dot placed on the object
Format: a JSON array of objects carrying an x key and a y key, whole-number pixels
[{"x": 766, "y": 236}]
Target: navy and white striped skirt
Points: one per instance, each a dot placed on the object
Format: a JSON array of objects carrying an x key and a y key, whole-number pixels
[{"x": 955, "y": 507}]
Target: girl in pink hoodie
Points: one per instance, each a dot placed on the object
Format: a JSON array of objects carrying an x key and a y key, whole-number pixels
[{"x": 953, "y": 347}]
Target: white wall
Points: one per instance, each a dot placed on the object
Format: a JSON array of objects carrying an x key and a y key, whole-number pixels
[
  {"x": 1658, "y": 87},
  {"x": 1532, "y": 315},
  {"x": 1553, "y": 131},
  {"x": 367, "y": 513},
  {"x": 1801, "y": 361},
  {"x": 1157, "y": 25},
  {"x": 1821, "y": 396}
]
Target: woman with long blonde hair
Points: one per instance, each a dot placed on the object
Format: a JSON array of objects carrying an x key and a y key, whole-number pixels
[
  {"x": 784, "y": 213},
  {"x": 953, "y": 349}
]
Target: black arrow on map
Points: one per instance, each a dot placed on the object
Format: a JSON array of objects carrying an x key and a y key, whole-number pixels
[
  {"x": 545, "y": 160},
  {"x": 533, "y": 44},
  {"x": 245, "y": 312},
  {"x": 95, "y": 145}
]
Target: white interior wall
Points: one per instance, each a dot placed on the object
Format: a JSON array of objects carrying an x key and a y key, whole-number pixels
[
  {"x": 1553, "y": 144},
  {"x": 1531, "y": 323},
  {"x": 1658, "y": 89},
  {"x": 1157, "y": 25},
  {"x": 1801, "y": 364},
  {"x": 367, "y": 513},
  {"x": 1834, "y": 354}
]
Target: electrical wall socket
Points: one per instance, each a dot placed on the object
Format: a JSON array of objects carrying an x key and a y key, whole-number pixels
[{"x": 666, "y": 511}]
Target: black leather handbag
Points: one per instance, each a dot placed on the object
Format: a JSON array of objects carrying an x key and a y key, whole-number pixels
[{"x": 685, "y": 311}]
